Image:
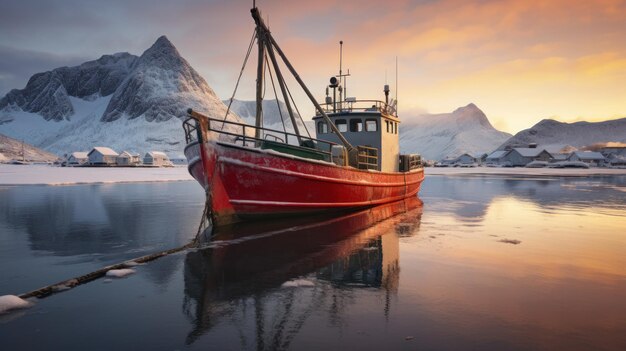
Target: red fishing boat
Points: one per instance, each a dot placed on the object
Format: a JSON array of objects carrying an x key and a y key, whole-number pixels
[{"x": 252, "y": 171}]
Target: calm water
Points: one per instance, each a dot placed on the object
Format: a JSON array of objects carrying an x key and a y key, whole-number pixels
[{"x": 484, "y": 263}]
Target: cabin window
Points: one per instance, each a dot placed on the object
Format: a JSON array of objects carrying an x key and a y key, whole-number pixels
[
  {"x": 356, "y": 125},
  {"x": 396, "y": 128},
  {"x": 371, "y": 125},
  {"x": 322, "y": 127},
  {"x": 387, "y": 123},
  {"x": 342, "y": 125}
]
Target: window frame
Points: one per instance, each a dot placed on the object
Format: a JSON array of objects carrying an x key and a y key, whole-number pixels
[
  {"x": 341, "y": 122},
  {"x": 359, "y": 122},
  {"x": 375, "y": 124}
]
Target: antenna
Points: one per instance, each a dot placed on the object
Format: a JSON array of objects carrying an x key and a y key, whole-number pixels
[
  {"x": 340, "y": 65},
  {"x": 396, "y": 86}
]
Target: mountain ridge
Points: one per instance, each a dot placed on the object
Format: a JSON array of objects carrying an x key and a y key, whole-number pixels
[
  {"x": 554, "y": 135},
  {"x": 65, "y": 109},
  {"x": 436, "y": 136}
]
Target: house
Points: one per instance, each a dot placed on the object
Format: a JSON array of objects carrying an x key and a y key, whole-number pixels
[
  {"x": 101, "y": 155},
  {"x": 613, "y": 150},
  {"x": 465, "y": 159},
  {"x": 521, "y": 156},
  {"x": 156, "y": 158},
  {"x": 559, "y": 157},
  {"x": 77, "y": 158},
  {"x": 178, "y": 159},
  {"x": 590, "y": 157},
  {"x": 496, "y": 157},
  {"x": 616, "y": 161},
  {"x": 127, "y": 158}
]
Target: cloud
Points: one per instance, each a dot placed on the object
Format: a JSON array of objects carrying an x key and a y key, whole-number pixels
[{"x": 17, "y": 66}]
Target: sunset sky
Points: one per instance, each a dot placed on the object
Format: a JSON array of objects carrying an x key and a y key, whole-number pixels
[{"x": 519, "y": 61}]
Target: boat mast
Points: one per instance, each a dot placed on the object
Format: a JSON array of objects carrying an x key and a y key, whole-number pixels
[
  {"x": 262, "y": 36},
  {"x": 259, "y": 88},
  {"x": 271, "y": 45}
]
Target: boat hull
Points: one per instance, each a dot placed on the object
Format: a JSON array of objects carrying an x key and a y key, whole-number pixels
[{"x": 243, "y": 183}]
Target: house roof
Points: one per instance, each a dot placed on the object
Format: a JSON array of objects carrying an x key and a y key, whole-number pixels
[
  {"x": 156, "y": 153},
  {"x": 560, "y": 157},
  {"x": 79, "y": 154},
  {"x": 104, "y": 151},
  {"x": 497, "y": 154},
  {"x": 588, "y": 155},
  {"x": 528, "y": 151}
]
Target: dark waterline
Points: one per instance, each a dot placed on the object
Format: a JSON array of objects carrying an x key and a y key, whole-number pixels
[{"x": 485, "y": 263}]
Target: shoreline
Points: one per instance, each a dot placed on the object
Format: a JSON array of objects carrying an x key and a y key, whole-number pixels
[
  {"x": 19, "y": 175},
  {"x": 44, "y": 175},
  {"x": 524, "y": 172}
]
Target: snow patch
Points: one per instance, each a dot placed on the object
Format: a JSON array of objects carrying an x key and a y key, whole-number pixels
[
  {"x": 12, "y": 302},
  {"x": 294, "y": 283},
  {"x": 120, "y": 273}
]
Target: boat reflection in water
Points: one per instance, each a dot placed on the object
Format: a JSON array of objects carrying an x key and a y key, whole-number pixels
[{"x": 267, "y": 282}]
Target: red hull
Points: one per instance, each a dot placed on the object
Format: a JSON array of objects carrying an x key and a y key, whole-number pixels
[{"x": 247, "y": 182}]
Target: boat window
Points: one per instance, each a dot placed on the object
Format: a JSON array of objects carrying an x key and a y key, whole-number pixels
[
  {"x": 322, "y": 127},
  {"x": 371, "y": 125},
  {"x": 341, "y": 125},
  {"x": 356, "y": 125},
  {"x": 395, "y": 128},
  {"x": 387, "y": 123}
]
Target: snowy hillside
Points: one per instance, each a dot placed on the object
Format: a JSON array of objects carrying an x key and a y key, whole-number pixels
[
  {"x": 11, "y": 149},
  {"x": 436, "y": 136},
  {"x": 554, "y": 135},
  {"x": 121, "y": 101}
]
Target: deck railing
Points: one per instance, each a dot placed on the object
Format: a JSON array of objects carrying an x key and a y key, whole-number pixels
[
  {"x": 367, "y": 157},
  {"x": 245, "y": 135},
  {"x": 359, "y": 106}
]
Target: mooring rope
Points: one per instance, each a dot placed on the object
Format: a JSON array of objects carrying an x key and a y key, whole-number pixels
[{"x": 205, "y": 225}]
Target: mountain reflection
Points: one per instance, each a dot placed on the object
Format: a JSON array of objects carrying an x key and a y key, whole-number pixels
[
  {"x": 471, "y": 196},
  {"x": 269, "y": 282}
]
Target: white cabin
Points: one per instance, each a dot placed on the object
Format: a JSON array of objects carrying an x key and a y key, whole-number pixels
[
  {"x": 127, "y": 158},
  {"x": 101, "y": 155},
  {"x": 590, "y": 157},
  {"x": 77, "y": 158},
  {"x": 156, "y": 158}
]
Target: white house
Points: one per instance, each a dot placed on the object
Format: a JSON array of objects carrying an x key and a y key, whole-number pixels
[
  {"x": 496, "y": 156},
  {"x": 127, "y": 158},
  {"x": 465, "y": 159},
  {"x": 156, "y": 158},
  {"x": 590, "y": 157},
  {"x": 101, "y": 155},
  {"x": 521, "y": 156},
  {"x": 77, "y": 158},
  {"x": 608, "y": 151}
]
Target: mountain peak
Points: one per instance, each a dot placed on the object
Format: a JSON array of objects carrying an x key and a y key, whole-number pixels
[
  {"x": 162, "y": 41},
  {"x": 469, "y": 108},
  {"x": 472, "y": 114}
]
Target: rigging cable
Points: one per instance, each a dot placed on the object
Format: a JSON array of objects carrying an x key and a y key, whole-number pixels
[
  {"x": 245, "y": 61},
  {"x": 276, "y": 97},
  {"x": 297, "y": 111}
]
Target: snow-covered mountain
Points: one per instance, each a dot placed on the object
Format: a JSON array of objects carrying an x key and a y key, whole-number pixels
[
  {"x": 121, "y": 101},
  {"x": 554, "y": 136},
  {"x": 11, "y": 149},
  {"x": 436, "y": 136}
]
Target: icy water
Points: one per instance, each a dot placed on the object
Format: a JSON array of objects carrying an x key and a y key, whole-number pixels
[{"x": 489, "y": 263}]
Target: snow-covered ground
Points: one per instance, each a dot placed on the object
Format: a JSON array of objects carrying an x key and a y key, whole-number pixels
[
  {"x": 48, "y": 175},
  {"x": 529, "y": 172}
]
